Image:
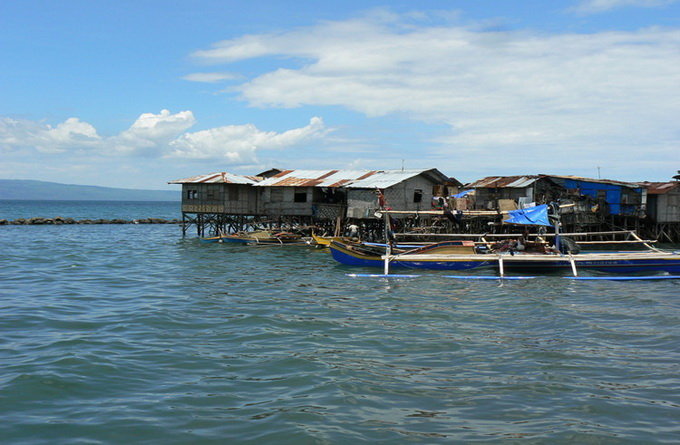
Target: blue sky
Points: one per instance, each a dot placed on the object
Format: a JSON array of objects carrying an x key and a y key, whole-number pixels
[{"x": 134, "y": 94}]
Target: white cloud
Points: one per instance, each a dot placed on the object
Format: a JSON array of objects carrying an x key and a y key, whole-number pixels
[
  {"x": 494, "y": 89},
  {"x": 70, "y": 134},
  {"x": 151, "y": 132},
  {"x": 595, "y": 6},
  {"x": 208, "y": 77},
  {"x": 162, "y": 134},
  {"x": 239, "y": 143}
]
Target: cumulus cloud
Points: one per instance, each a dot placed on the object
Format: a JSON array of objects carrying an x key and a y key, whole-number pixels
[
  {"x": 494, "y": 89},
  {"x": 595, "y": 6},
  {"x": 70, "y": 134},
  {"x": 208, "y": 77},
  {"x": 152, "y": 131},
  {"x": 154, "y": 135},
  {"x": 239, "y": 143}
]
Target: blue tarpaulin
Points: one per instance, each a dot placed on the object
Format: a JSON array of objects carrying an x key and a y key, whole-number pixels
[
  {"x": 463, "y": 193},
  {"x": 537, "y": 216}
]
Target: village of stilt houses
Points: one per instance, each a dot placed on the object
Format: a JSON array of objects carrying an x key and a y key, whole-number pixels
[{"x": 425, "y": 219}]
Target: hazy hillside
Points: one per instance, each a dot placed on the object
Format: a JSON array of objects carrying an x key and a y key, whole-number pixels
[{"x": 28, "y": 189}]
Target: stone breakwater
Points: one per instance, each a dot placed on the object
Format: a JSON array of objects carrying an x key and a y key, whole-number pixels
[{"x": 59, "y": 221}]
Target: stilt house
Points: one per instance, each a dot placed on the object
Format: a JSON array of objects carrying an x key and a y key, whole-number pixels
[
  {"x": 513, "y": 192},
  {"x": 663, "y": 201},
  {"x": 408, "y": 190},
  {"x": 218, "y": 202},
  {"x": 663, "y": 208},
  {"x": 308, "y": 193},
  {"x": 220, "y": 193},
  {"x": 621, "y": 198},
  {"x": 222, "y": 202}
]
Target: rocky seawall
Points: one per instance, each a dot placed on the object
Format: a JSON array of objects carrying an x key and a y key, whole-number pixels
[{"x": 59, "y": 221}]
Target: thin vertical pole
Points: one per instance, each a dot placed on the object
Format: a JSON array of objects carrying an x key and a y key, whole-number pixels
[
  {"x": 388, "y": 247},
  {"x": 573, "y": 265}
]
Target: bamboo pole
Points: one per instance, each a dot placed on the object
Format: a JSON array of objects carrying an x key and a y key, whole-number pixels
[
  {"x": 573, "y": 264},
  {"x": 640, "y": 240}
]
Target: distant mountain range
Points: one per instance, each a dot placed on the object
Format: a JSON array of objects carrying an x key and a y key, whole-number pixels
[{"x": 41, "y": 190}]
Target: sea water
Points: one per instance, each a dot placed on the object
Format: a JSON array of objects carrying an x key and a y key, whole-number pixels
[
  {"x": 127, "y": 210},
  {"x": 132, "y": 333}
]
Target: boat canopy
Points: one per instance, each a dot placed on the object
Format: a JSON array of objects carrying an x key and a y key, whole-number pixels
[{"x": 537, "y": 216}]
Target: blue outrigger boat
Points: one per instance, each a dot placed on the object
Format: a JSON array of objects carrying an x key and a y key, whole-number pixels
[
  {"x": 564, "y": 255},
  {"x": 439, "y": 257}
]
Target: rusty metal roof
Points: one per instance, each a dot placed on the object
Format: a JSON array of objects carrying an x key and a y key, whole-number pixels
[
  {"x": 660, "y": 188},
  {"x": 218, "y": 178},
  {"x": 504, "y": 181},
  {"x": 320, "y": 178},
  {"x": 314, "y": 178},
  {"x": 597, "y": 181}
]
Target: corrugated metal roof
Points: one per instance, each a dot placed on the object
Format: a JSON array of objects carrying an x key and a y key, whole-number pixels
[
  {"x": 217, "y": 178},
  {"x": 388, "y": 178},
  {"x": 504, "y": 181},
  {"x": 597, "y": 181},
  {"x": 319, "y": 178},
  {"x": 314, "y": 178},
  {"x": 659, "y": 188}
]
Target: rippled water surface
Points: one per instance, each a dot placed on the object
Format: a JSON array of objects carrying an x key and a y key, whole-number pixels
[
  {"x": 129, "y": 210},
  {"x": 130, "y": 333}
]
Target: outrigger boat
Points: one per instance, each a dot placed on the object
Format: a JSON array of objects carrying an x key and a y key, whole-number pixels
[
  {"x": 562, "y": 255},
  {"x": 258, "y": 237},
  {"x": 464, "y": 255}
]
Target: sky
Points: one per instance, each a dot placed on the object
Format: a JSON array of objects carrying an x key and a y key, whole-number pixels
[{"x": 134, "y": 94}]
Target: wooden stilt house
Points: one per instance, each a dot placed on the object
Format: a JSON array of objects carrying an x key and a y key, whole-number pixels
[
  {"x": 218, "y": 201},
  {"x": 408, "y": 190},
  {"x": 663, "y": 209}
]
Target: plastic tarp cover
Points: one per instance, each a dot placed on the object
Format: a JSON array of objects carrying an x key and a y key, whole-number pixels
[
  {"x": 462, "y": 194},
  {"x": 537, "y": 216}
]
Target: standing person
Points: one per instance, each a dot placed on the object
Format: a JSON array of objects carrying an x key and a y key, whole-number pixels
[{"x": 353, "y": 230}]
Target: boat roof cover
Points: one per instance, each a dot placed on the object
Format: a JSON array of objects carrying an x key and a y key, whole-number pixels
[{"x": 536, "y": 216}]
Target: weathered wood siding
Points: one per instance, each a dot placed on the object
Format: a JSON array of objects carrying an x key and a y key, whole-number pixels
[
  {"x": 281, "y": 201},
  {"x": 412, "y": 194},
  {"x": 232, "y": 199},
  {"x": 486, "y": 198},
  {"x": 541, "y": 192},
  {"x": 665, "y": 208}
]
